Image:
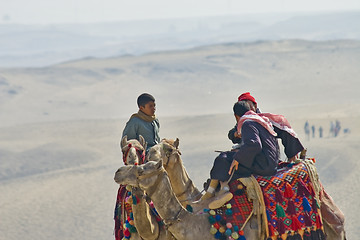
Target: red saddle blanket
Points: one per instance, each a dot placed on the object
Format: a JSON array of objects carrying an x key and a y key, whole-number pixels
[
  {"x": 123, "y": 214},
  {"x": 122, "y": 211},
  {"x": 228, "y": 220},
  {"x": 291, "y": 205}
]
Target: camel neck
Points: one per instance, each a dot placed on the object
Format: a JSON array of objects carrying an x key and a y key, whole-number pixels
[
  {"x": 177, "y": 220},
  {"x": 165, "y": 201},
  {"x": 182, "y": 185}
]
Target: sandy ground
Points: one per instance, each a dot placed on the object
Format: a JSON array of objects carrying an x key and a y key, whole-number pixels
[{"x": 60, "y": 126}]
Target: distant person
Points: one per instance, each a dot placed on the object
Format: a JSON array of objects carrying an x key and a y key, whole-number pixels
[
  {"x": 144, "y": 122},
  {"x": 332, "y": 129},
  {"x": 347, "y": 130},
  {"x": 313, "y": 131},
  {"x": 289, "y": 139},
  {"x": 337, "y": 128},
  {"x": 307, "y": 130},
  {"x": 320, "y": 132}
]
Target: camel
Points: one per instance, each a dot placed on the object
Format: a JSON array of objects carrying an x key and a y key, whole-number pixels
[
  {"x": 176, "y": 218},
  {"x": 133, "y": 150},
  {"x": 153, "y": 179},
  {"x": 186, "y": 192},
  {"x": 144, "y": 220},
  {"x": 168, "y": 151}
]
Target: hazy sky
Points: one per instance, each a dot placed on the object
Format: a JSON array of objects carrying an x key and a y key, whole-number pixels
[{"x": 79, "y": 11}]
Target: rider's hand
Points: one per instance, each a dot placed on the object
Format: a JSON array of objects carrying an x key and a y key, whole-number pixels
[
  {"x": 235, "y": 165},
  {"x": 292, "y": 159}
]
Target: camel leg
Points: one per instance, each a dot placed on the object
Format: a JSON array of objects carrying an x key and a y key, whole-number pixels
[{"x": 145, "y": 222}]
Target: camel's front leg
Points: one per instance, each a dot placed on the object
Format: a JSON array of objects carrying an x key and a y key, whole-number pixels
[{"x": 145, "y": 222}]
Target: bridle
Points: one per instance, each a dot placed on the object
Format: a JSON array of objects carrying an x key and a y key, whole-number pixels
[
  {"x": 168, "y": 154},
  {"x": 177, "y": 152},
  {"x": 140, "y": 152},
  {"x": 150, "y": 191}
]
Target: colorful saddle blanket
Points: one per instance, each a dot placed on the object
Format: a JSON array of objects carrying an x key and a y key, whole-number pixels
[
  {"x": 291, "y": 206},
  {"x": 227, "y": 221},
  {"x": 123, "y": 216}
]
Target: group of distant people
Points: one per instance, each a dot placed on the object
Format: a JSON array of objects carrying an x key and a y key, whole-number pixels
[{"x": 335, "y": 128}]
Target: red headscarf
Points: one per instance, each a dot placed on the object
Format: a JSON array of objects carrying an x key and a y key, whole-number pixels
[{"x": 246, "y": 96}]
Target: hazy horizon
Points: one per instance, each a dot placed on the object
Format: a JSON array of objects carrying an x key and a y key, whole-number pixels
[
  {"x": 82, "y": 11},
  {"x": 46, "y": 45}
]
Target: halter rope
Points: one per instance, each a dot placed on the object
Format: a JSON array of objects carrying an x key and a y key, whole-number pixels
[{"x": 139, "y": 151}]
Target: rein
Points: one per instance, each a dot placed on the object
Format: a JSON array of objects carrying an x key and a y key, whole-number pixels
[
  {"x": 189, "y": 183},
  {"x": 169, "y": 154},
  {"x": 160, "y": 172}
]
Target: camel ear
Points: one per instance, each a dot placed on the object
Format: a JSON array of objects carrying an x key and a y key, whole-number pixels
[
  {"x": 176, "y": 143},
  {"x": 142, "y": 141},
  {"x": 123, "y": 141}
]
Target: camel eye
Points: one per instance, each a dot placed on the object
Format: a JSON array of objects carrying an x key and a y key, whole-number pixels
[{"x": 170, "y": 150}]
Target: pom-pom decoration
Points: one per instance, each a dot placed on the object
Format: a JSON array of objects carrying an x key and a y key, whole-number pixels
[
  {"x": 229, "y": 225},
  {"x": 235, "y": 235},
  {"x": 213, "y": 230}
]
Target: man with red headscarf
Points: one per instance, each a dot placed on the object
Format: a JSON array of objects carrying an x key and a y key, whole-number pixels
[
  {"x": 332, "y": 215},
  {"x": 258, "y": 154},
  {"x": 262, "y": 160},
  {"x": 289, "y": 139}
]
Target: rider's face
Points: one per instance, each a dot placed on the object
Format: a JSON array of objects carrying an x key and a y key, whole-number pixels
[{"x": 149, "y": 108}]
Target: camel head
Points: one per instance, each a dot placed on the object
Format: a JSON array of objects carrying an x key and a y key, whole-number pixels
[
  {"x": 167, "y": 150},
  {"x": 133, "y": 150},
  {"x": 142, "y": 176}
]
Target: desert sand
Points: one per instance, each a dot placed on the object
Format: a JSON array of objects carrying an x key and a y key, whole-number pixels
[{"x": 60, "y": 125}]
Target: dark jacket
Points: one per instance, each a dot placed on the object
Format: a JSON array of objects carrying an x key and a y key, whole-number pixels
[
  {"x": 258, "y": 154},
  {"x": 292, "y": 145},
  {"x": 259, "y": 151}
]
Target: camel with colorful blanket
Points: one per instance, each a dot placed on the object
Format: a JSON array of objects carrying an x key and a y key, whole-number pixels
[
  {"x": 286, "y": 206},
  {"x": 135, "y": 216}
]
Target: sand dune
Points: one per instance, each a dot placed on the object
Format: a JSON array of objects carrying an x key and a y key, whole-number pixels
[{"x": 60, "y": 125}]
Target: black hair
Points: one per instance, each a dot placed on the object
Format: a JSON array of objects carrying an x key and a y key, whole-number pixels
[
  {"x": 240, "y": 108},
  {"x": 144, "y": 99}
]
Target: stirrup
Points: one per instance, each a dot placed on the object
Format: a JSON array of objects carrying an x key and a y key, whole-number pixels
[{"x": 219, "y": 201}]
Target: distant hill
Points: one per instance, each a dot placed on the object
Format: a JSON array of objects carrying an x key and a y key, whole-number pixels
[
  {"x": 44, "y": 45},
  {"x": 212, "y": 76}
]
